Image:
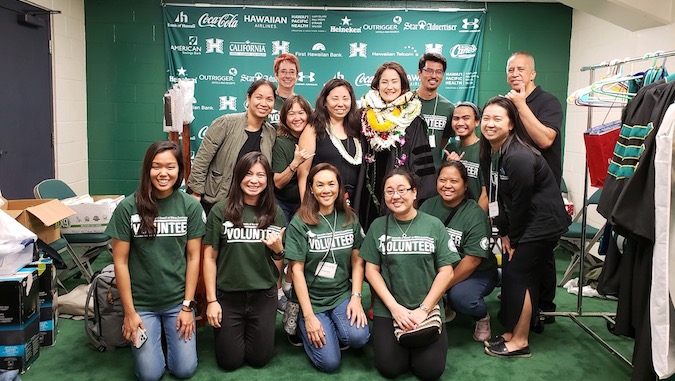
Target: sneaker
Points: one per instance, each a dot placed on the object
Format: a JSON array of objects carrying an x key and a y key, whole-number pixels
[
  {"x": 281, "y": 303},
  {"x": 295, "y": 340},
  {"x": 482, "y": 331},
  {"x": 449, "y": 314}
]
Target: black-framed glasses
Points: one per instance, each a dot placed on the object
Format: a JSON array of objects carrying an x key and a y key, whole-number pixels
[
  {"x": 400, "y": 191},
  {"x": 430, "y": 71}
]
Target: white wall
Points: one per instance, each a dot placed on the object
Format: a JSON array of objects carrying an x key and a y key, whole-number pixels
[
  {"x": 595, "y": 41},
  {"x": 70, "y": 106}
]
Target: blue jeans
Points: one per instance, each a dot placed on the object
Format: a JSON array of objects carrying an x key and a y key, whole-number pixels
[
  {"x": 181, "y": 356},
  {"x": 289, "y": 209},
  {"x": 466, "y": 297},
  {"x": 338, "y": 330}
]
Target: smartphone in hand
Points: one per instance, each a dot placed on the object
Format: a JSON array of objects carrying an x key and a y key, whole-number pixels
[{"x": 141, "y": 338}]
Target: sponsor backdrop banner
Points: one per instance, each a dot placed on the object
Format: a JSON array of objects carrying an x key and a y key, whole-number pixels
[{"x": 224, "y": 49}]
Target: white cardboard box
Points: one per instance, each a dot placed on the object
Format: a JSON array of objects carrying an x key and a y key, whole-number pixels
[{"x": 90, "y": 217}]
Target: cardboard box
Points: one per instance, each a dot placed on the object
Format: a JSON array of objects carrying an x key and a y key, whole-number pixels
[
  {"x": 19, "y": 346},
  {"x": 11, "y": 263},
  {"x": 40, "y": 216},
  {"x": 48, "y": 301},
  {"x": 18, "y": 297},
  {"x": 90, "y": 217}
]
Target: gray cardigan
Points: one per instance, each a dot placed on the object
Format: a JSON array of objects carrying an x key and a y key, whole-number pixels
[{"x": 213, "y": 166}]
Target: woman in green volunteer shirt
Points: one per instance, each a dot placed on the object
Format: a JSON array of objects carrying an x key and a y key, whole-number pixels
[
  {"x": 475, "y": 276},
  {"x": 322, "y": 244},
  {"x": 243, "y": 238},
  {"x": 409, "y": 266},
  {"x": 157, "y": 235}
]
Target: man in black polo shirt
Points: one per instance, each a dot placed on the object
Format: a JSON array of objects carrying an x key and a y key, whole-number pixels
[{"x": 541, "y": 114}]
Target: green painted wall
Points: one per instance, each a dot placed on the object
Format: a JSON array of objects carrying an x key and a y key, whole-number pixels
[{"x": 126, "y": 71}]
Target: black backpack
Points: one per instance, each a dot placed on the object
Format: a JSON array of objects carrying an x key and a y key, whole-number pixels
[{"x": 104, "y": 328}]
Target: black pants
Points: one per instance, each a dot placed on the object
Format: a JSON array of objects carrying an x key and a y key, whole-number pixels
[
  {"x": 246, "y": 333},
  {"x": 393, "y": 359},
  {"x": 548, "y": 286}
]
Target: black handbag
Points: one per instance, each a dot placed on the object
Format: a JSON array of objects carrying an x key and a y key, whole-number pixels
[{"x": 426, "y": 332}]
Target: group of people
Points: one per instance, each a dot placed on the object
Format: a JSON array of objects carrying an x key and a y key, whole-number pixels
[{"x": 401, "y": 194}]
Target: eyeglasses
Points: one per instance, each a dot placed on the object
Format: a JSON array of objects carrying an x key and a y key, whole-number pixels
[
  {"x": 430, "y": 71},
  {"x": 288, "y": 72},
  {"x": 400, "y": 191}
]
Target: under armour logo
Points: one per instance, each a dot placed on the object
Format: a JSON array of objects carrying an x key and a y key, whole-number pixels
[
  {"x": 357, "y": 49},
  {"x": 279, "y": 47},
  {"x": 433, "y": 48},
  {"x": 302, "y": 76},
  {"x": 214, "y": 45},
  {"x": 182, "y": 17},
  {"x": 468, "y": 23},
  {"x": 228, "y": 103}
]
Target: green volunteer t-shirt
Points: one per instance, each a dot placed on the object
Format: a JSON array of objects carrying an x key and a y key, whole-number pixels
[
  {"x": 244, "y": 263},
  {"x": 275, "y": 115},
  {"x": 471, "y": 161},
  {"x": 157, "y": 266},
  {"x": 469, "y": 229},
  {"x": 437, "y": 113},
  {"x": 282, "y": 155},
  {"x": 413, "y": 258},
  {"x": 316, "y": 244}
]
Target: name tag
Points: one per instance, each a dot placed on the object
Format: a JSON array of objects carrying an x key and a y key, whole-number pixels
[
  {"x": 432, "y": 141},
  {"x": 326, "y": 270},
  {"x": 493, "y": 209}
]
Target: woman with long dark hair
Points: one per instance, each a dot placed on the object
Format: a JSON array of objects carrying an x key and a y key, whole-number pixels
[
  {"x": 227, "y": 139},
  {"x": 333, "y": 135},
  {"x": 157, "y": 235},
  {"x": 243, "y": 239},
  {"x": 526, "y": 206},
  {"x": 409, "y": 267},
  {"x": 322, "y": 244}
]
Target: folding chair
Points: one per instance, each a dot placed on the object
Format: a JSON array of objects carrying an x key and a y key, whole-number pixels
[
  {"x": 92, "y": 244},
  {"x": 571, "y": 241}
]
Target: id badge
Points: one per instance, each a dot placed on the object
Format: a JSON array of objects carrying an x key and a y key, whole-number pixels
[
  {"x": 493, "y": 209},
  {"x": 432, "y": 141},
  {"x": 326, "y": 270}
]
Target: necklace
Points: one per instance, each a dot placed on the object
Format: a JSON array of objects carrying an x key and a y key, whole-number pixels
[
  {"x": 358, "y": 155},
  {"x": 404, "y": 234}
]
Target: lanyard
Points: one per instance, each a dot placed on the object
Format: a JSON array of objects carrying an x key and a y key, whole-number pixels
[
  {"x": 492, "y": 194},
  {"x": 332, "y": 237}
]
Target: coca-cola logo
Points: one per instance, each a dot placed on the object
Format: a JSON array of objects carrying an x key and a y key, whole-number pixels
[
  {"x": 228, "y": 20},
  {"x": 202, "y": 132},
  {"x": 463, "y": 51},
  {"x": 363, "y": 80}
]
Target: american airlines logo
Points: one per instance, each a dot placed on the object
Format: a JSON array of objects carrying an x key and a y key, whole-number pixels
[
  {"x": 279, "y": 47},
  {"x": 433, "y": 48},
  {"x": 302, "y": 76},
  {"x": 357, "y": 49},
  {"x": 228, "y": 20},
  {"x": 214, "y": 45},
  {"x": 228, "y": 103},
  {"x": 466, "y": 23}
]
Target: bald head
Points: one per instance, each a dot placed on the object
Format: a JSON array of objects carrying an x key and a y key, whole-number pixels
[{"x": 520, "y": 72}]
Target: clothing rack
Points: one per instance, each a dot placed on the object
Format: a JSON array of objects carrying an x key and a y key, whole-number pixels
[{"x": 609, "y": 316}]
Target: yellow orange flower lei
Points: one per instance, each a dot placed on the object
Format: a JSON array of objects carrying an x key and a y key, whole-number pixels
[{"x": 381, "y": 126}]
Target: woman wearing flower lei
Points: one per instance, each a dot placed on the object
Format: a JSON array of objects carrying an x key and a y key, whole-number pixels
[{"x": 395, "y": 137}]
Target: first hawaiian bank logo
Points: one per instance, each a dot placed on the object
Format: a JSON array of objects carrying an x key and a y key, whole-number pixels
[
  {"x": 279, "y": 47},
  {"x": 228, "y": 103},
  {"x": 358, "y": 49}
]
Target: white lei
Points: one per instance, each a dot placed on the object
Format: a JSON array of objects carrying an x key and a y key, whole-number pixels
[{"x": 358, "y": 155}]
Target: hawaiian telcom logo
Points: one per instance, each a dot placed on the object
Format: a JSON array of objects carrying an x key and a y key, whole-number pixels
[{"x": 358, "y": 49}]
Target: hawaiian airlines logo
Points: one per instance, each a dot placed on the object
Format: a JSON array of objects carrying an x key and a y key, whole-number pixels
[
  {"x": 463, "y": 51},
  {"x": 228, "y": 20},
  {"x": 358, "y": 49},
  {"x": 433, "y": 48},
  {"x": 228, "y": 103},
  {"x": 302, "y": 76},
  {"x": 214, "y": 45},
  {"x": 266, "y": 22},
  {"x": 181, "y": 18},
  {"x": 279, "y": 47},
  {"x": 474, "y": 24}
]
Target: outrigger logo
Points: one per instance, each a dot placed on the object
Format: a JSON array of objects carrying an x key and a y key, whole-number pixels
[
  {"x": 228, "y": 103},
  {"x": 358, "y": 49},
  {"x": 319, "y": 243},
  {"x": 248, "y": 233},
  {"x": 407, "y": 245},
  {"x": 463, "y": 51},
  {"x": 474, "y": 24},
  {"x": 173, "y": 226},
  {"x": 279, "y": 47},
  {"x": 228, "y": 20},
  {"x": 214, "y": 45},
  {"x": 433, "y": 48}
]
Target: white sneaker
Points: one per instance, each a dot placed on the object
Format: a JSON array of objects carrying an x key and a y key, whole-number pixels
[{"x": 482, "y": 331}]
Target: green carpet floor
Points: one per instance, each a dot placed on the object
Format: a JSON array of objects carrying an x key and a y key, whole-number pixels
[{"x": 563, "y": 352}]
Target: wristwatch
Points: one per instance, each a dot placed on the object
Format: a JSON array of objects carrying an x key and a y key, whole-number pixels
[
  {"x": 357, "y": 294},
  {"x": 424, "y": 308},
  {"x": 190, "y": 304}
]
